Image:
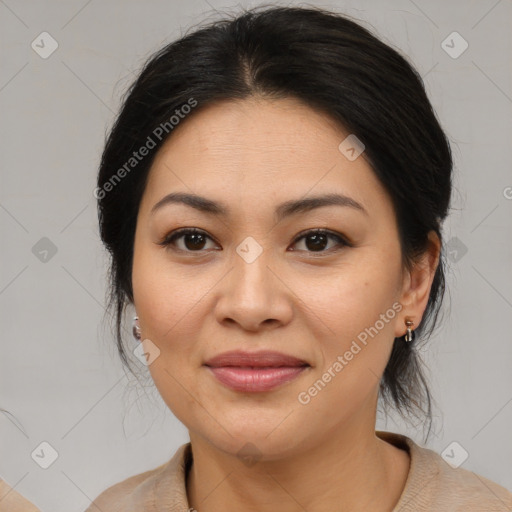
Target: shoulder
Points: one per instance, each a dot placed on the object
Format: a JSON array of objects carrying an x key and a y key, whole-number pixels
[
  {"x": 12, "y": 501},
  {"x": 157, "y": 487},
  {"x": 125, "y": 494},
  {"x": 466, "y": 489},
  {"x": 433, "y": 484}
]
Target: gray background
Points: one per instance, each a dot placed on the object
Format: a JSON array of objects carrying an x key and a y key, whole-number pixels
[{"x": 60, "y": 376}]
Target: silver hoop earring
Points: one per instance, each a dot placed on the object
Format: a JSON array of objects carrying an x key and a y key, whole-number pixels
[
  {"x": 136, "y": 328},
  {"x": 409, "y": 335}
]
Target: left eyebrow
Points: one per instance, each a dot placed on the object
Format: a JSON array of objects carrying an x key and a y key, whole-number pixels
[
  {"x": 310, "y": 203},
  {"x": 285, "y": 209}
]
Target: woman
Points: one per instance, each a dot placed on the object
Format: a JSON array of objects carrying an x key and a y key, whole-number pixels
[{"x": 272, "y": 195}]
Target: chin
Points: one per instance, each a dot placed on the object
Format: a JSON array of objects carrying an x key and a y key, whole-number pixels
[{"x": 250, "y": 444}]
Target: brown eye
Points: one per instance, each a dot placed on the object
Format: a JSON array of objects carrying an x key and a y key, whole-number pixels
[
  {"x": 193, "y": 240},
  {"x": 317, "y": 240}
]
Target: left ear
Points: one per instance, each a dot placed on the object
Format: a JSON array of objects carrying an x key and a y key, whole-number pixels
[{"x": 417, "y": 284}]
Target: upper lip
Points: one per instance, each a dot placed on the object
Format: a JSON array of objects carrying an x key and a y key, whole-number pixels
[{"x": 267, "y": 358}]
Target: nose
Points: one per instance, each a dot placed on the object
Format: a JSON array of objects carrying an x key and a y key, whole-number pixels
[{"x": 254, "y": 295}]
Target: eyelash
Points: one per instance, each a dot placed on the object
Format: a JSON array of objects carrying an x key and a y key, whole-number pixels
[{"x": 341, "y": 241}]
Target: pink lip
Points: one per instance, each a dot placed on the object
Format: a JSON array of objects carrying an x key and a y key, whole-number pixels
[
  {"x": 255, "y": 379},
  {"x": 263, "y": 358},
  {"x": 256, "y": 371}
]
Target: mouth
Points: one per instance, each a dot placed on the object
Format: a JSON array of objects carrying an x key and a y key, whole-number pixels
[{"x": 257, "y": 371}]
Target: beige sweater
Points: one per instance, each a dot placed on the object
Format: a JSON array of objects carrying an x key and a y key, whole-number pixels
[{"x": 432, "y": 485}]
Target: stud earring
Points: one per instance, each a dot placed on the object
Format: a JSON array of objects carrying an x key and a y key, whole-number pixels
[
  {"x": 136, "y": 328},
  {"x": 409, "y": 335}
]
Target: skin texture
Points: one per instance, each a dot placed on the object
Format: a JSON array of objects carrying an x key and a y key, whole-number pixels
[{"x": 195, "y": 303}]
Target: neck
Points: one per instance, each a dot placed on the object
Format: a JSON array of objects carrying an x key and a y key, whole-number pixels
[{"x": 352, "y": 471}]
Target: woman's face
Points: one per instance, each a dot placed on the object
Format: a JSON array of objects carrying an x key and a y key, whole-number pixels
[{"x": 256, "y": 280}]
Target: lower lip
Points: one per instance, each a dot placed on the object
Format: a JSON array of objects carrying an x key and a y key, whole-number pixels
[{"x": 255, "y": 379}]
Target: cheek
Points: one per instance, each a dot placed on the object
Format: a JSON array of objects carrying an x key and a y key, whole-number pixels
[
  {"x": 163, "y": 297},
  {"x": 167, "y": 303},
  {"x": 171, "y": 305},
  {"x": 353, "y": 297},
  {"x": 355, "y": 309},
  {"x": 358, "y": 310}
]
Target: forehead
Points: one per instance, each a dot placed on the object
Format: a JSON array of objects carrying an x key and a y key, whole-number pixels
[
  {"x": 254, "y": 149},
  {"x": 255, "y": 128}
]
